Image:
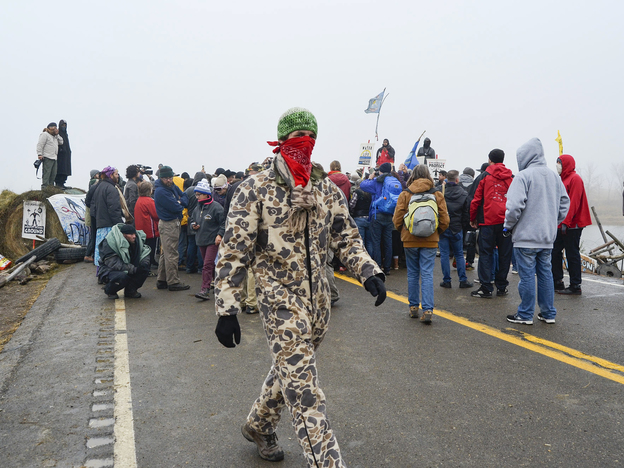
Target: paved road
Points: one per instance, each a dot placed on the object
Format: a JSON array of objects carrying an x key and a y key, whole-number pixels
[{"x": 469, "y": 390}]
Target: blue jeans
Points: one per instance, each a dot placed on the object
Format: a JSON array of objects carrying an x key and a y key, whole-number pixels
[
  {"x": 364, "y": 226},
  {"x": 420, "y": 263},
  {"x": 193, "y": 252},
  {"x": 529, "y": 263},
  {"x": 382, "y": 235},
  {"x": 449, "y": 241}
]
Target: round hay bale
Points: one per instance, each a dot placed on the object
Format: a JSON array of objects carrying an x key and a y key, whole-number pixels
[{"x": 12, "y": 245}]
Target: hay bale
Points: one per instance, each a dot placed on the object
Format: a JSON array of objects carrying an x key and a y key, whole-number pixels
[{"x": 12, "y": 245}]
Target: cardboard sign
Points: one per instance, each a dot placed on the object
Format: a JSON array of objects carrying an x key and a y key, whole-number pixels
[
  {"x": 366, "y": 154},
  {"x": 33, "y": 219},
  {"x": 435, "y": 166}
]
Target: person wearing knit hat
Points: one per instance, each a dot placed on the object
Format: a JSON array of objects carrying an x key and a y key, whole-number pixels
[
  {"x": 125, "y": 261},
  {"x": 487, "y": 212},
  {"x": 208, "y": 222},
  {"x": 47, "y": 152},
  {"x": 220, "y": 186},
  {"x": 170, "y": 203},
  {"x": 283, "y": 221}
]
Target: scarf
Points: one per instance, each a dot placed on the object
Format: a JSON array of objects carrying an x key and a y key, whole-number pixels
[
  {"x": 297, "y": 154},
  {"x": 302, "y": 198}
]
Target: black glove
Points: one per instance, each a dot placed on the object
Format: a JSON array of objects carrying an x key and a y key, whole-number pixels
[
  {"x": 226, "y": 327},
  {"x": 131, "y": 269},
  {"x": 377, "y": 288},
  {"x": 564, "y": 229}
]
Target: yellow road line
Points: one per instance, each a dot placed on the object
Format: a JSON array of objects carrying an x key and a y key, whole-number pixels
[{"x": 561, "y": 353}]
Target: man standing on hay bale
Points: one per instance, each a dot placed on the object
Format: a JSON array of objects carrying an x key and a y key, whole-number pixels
[{"x": 47, "y": 152}]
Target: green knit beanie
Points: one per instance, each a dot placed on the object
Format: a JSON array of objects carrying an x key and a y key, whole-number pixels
[{"x": 295, "y": 119}]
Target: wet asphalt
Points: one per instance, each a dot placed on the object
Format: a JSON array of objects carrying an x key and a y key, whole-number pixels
[{"x": 399, "y": 393}]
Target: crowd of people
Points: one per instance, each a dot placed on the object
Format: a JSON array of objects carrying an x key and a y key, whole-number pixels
[{"x": 269, "y": 239}]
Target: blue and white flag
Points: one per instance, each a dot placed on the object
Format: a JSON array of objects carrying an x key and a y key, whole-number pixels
[
  {"x": 411, "y": 162},
  {"x": 374, "y": 105}
]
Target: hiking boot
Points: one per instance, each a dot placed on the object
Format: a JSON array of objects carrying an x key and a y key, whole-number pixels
[
  {"x": 179, "y": 287},
  {"x": 445, "y": 284},
  {"x": 502, "y": 291},
  {"x": 570, "y": 290},
  {"x": 161, "y": 284},
  {"x": 466, "y": 284},
  {"x": 482, "y": 293},
  {"x": 112, "y": 296},
  {"x": 544, "y": 319},
  {"x": 426, "y": 316},
  {"x": 203, "y": 295},
  {"x": 517, "y": 319},
  {"x": 251, "y": 310},
  {"x": 414, "y": 312},
  {"x": 266, "y": 443},
  {"x": 559, "y": 286},
  {"x": 132, "y": 294},
  {"x": 395, "y": 263}
]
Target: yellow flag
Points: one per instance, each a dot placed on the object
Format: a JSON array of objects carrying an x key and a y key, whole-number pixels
[{"x": 560, "y": 141}]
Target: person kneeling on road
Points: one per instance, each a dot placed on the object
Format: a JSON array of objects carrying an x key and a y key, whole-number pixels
[{"x": 124, "y": 261}]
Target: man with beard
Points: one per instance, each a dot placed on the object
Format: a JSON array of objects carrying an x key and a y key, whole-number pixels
[
  {"x": 63, "y": 161},
  {"x": 170, "y": 203},
  {"x": 385, "y": 154},
  {"x": 426, "y": 150},
  {"x": 47, "y": 152},
  {"x": 283, "y": 221}
]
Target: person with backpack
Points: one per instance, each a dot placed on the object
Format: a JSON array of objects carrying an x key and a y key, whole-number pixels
[
  {"x": 385, "y": 186},
  {"x": 421, "y": 216}
]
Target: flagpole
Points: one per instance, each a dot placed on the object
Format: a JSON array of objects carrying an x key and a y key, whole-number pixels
[{"x": 378, "y": 113}]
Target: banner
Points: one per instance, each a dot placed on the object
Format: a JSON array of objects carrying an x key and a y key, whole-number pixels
[
  {"x": 374, "y": 105},
  {"x": 366, "y": 154},
  {"x": 71, "y": 213},
  {"x": 435, "y": 166},
  {"x": 33, "y": 219}
]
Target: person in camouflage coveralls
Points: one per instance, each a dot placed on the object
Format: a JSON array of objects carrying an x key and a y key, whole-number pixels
[{"x": 283, "y": 227}]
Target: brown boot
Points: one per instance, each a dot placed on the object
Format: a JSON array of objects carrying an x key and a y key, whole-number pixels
[
  {"x": 426, "y": 316},
  {"x": 414, "y": 311},
  {"x": 395, "y": 263},
  {"x": 266, "y": 443}
]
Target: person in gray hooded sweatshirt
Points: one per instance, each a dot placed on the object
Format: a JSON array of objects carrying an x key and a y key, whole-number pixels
[{"x": 537, "y": 202}]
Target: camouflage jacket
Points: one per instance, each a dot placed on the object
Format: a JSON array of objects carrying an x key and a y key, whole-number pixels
[{"x": 289, "y": 266}]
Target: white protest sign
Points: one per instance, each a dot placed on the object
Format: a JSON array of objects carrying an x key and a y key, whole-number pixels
[
  {"x": 71, "y": 213},
  {"x": 366, "y": 154},
  {"x": 435, "y": 166},
  {"x": 33, "y": 219}
]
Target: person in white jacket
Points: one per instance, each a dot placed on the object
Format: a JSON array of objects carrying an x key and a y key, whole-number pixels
[{"x": 47, "y": 152}]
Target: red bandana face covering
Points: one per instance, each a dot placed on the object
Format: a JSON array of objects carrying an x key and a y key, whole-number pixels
[{"x": 297, "y": 153}]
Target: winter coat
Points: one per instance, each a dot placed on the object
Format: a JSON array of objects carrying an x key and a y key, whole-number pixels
[
  {"x": 48, "y": 145},
  {"x": 146, "y": 217},
  {"x": 419, "y": 186},
  {"x": 578, "y": 214},
  {"x": 64, "y": 154},
  {"x": 288, "y": 265},
  {"x": 170, "y": 201},
  {"x": 211, "y": 220},
  {"x": 465, "y": 181},
  {"x": 384, "y": 154},
  {"x": 491, "y": 195},
  {"x": 106, "y": 204},
  {"x": 131, "y": 194},
  {"x": 428, "y": 153},
  {"x": 342, "y": 181},
  {"x": 360, "y": 202},
  {"x": 537, "y": 200},
  {"x": 117, "y": 254},
  {"x": 457, "y": 205},
  {"x": 375, "y": 187}
]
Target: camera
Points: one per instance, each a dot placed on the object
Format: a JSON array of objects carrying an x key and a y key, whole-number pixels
[
  {"x": 376, "y": 173},
  {"x": 37, "y": 163},
  {"x": 147, "y": 170}
]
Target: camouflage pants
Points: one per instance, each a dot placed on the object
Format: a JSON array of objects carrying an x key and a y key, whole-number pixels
[{"x": 293, "y": 336}]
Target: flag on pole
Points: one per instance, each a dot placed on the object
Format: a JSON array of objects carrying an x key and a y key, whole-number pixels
[
  {"x": 560, "y": 141},
  {"x": 374, "y": 105},
  {"x": 411, "y": 162}
]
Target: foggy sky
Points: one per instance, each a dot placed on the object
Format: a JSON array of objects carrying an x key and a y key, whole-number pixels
[{"x": 197, "y": 83}]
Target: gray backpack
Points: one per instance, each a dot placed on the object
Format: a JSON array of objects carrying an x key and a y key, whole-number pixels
[{"x": 421, "y": 219}]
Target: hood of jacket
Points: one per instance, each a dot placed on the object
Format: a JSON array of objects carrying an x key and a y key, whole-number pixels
[
  {"x": 466, "y": 180},
  {"x": 499, "y": 171},
  {"x": 338, "y": 178},
  {"x": 121, "y": 246},
  {"x": 568, "y": 166},
  {"x": 454, "y": 193},
  {"x": 421, "y": 185},
  {"x": 198, "y": 176},
  {"x": 530, "y": 154}
]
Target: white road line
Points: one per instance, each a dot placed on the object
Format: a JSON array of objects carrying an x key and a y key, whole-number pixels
[{"x": 124, "y": 448}]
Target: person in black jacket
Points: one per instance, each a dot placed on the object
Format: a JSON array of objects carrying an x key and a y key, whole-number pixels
[
  {"x": 95, "y": 176},
  {"x": 105, "y": 206},
  {"x": 63, "y": 159},
  {"x": 426, "y": 150},
  {"x": 124, "y": 261},
  {"x": 453, "y": 239}
]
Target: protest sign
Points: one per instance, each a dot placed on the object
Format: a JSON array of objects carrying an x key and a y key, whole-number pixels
[{"x": 33, "y": 219}]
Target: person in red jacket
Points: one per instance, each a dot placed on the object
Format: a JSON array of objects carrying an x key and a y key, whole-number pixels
[
  {"x": 146, "y": 218},
  {"x": 487, "y": 211},
  {"x": 569, "y": 231},
  {"x": 338, "y": 178}
]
